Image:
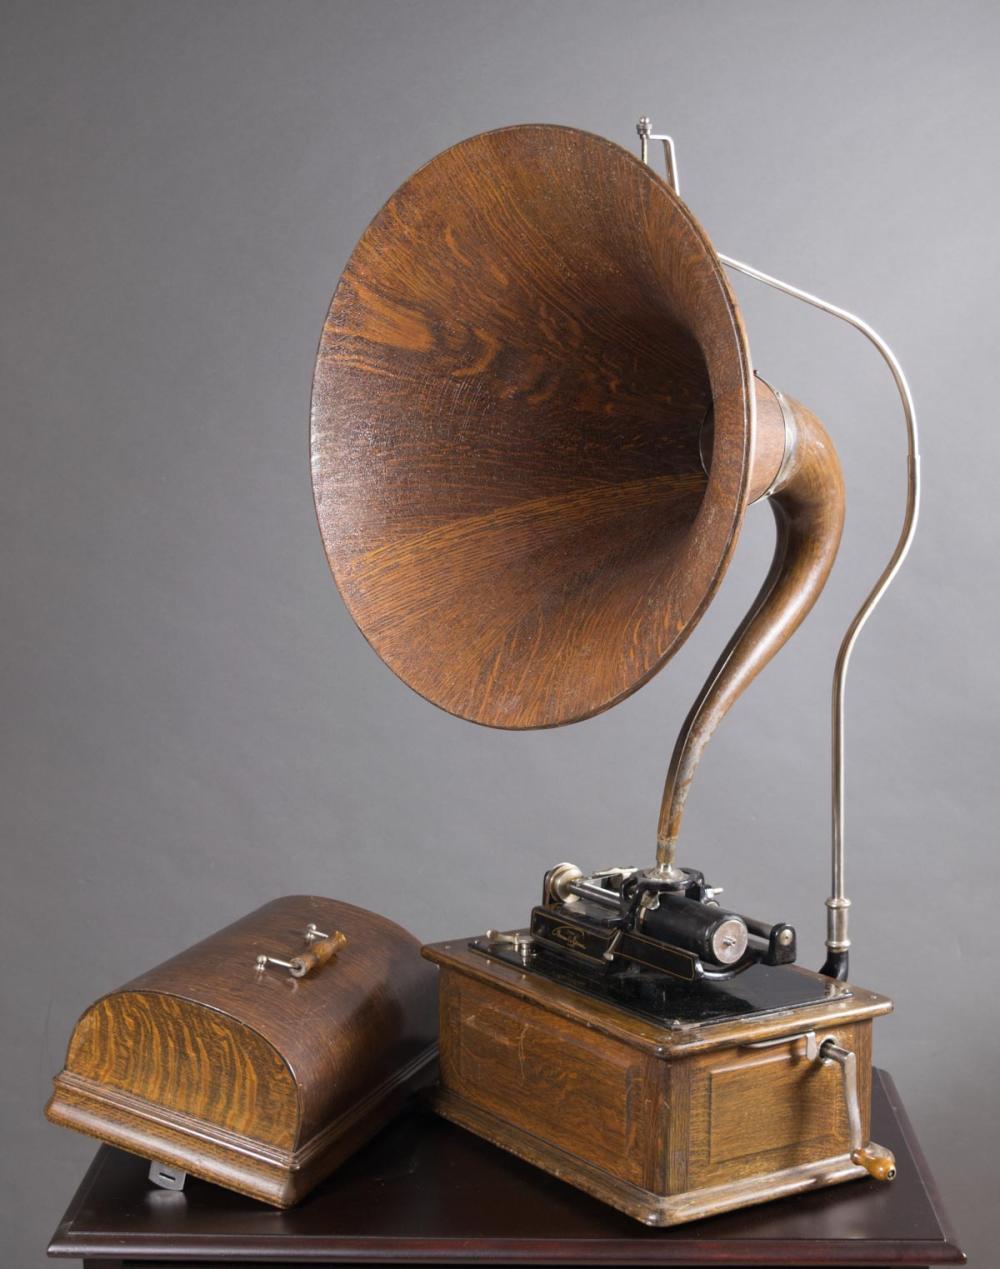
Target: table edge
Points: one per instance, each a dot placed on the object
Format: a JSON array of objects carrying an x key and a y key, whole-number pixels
[{"x": 624, "y": 1251}]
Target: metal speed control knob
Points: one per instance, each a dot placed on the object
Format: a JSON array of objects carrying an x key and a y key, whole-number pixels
[{"x": 729, "y": 940}]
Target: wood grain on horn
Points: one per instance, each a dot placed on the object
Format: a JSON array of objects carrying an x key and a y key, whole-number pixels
[
  {"x": 808, "y": 506},
  {"x": 531, "y": 360},
  {"x": 509, "y": 392}
]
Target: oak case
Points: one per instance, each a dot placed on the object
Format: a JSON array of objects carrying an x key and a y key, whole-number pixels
[{"x": 667, "y": 1125}]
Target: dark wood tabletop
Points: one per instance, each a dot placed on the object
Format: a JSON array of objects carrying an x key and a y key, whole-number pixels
[{"x": 425, "y": 1192}]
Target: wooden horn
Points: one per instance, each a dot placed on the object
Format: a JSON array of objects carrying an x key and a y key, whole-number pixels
[
  {"x": 806, "y": 493},
  {"x": 535, "y": 432}
]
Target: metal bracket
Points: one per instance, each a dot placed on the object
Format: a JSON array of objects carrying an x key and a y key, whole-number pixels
[
  {"x": 166, "y": 1176},
  {"x": 646, "y": 134},
  {"x": 811, "y": 1047},
  {"x": 837, "y": 940}
]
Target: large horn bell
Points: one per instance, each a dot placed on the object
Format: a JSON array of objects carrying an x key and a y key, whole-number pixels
[{"x": 509, "y": 398}]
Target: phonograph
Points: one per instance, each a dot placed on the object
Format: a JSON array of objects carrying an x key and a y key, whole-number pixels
[{"x": 536, "y": 430}]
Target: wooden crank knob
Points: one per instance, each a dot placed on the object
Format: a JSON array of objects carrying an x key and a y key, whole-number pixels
[{"x": 876, "y": 1160}]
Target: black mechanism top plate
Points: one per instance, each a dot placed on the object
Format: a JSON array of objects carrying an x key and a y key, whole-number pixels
[{"x": 758, "y": 990}]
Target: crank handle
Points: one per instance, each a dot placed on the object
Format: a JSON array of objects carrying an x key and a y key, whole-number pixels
[{"x": 876, "y": 1160}]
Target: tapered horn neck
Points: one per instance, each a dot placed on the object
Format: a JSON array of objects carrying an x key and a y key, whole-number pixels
[{"x": 796, "y": 468}]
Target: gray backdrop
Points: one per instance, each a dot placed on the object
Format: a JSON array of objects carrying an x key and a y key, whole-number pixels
[{"x": 192, "y": 725}]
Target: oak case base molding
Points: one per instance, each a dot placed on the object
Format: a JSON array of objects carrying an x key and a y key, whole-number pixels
[
  {"x": 281, "y": 1178},
  {"x": 651, "y": 1209}
]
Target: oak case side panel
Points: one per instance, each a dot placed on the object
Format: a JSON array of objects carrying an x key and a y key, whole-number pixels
[
  {"x": 581, "y": 1091},
  {"x": 757, "y": 1111}
]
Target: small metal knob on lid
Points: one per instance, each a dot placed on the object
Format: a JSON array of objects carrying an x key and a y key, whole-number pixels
[{"x": 322, "y": 948}]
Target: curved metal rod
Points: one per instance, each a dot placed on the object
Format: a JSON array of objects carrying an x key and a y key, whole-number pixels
[{"x": 837, "y": 940}]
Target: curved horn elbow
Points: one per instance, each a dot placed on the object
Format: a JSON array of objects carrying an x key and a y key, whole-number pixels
[{"x": 806, "y": 494}]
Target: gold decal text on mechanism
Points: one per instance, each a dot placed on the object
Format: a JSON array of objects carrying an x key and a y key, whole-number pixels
[{"x": 570, "y": 936}]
